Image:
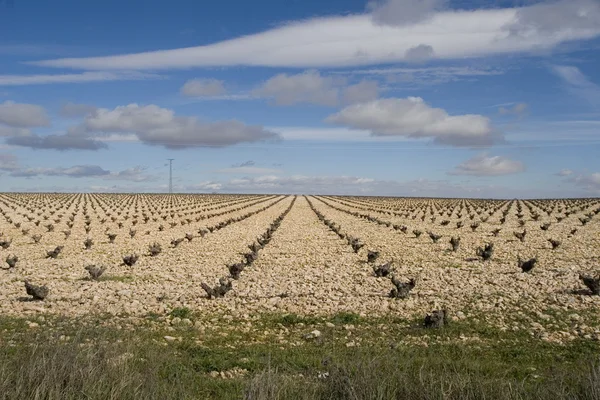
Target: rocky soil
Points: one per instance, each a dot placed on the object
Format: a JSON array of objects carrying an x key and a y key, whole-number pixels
[{"x": 306, "y": 268}]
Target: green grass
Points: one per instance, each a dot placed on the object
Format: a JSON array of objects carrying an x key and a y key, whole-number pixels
[
  {"x": 181, "y": 312},
  {"x": 346, "y": 318},
  {"x": 393, "y": 359}
]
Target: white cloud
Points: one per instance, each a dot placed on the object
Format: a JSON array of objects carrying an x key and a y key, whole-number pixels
[
  {"x": 21, "y": 115},
  {"x": 203, "y": 88},
  {"x": 313, "y": 88},
  {"x": 357, "y": 40},
  {"x": 356, "y": 185},
  {"x": 160, "y": 126},
  {"x": 85, "y": 77},
  {"x": 413, "y": 118},
  {"x": 484, "y": 165},
  {"x": 403, "y": 12}
]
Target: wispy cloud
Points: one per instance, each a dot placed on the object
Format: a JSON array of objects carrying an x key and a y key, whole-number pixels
[
  {"x": 77, "y": 171},
  {"x": 426, "y": 76},
  {"x": 353, "y": 185},
  {"x": 221, "y": 97},
  {"x": 577, "y": 83},
  {"x": 248, "y": 170},
  {"x": 358, "y": 40},
  {"x": 248, "y": 167},
  {"x": 116, "y": 137},
  {"x": 248, "y": 163},
  {"x": 135, "y": 174},
  {"x": 56, "y": 142},
  {"x": 85, "y": 77}
]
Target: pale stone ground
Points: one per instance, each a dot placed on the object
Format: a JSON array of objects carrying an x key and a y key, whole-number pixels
[{"x": 306, "y": 268}]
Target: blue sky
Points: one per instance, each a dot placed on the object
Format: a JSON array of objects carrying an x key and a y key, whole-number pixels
[{"x": 387, "y": 97}]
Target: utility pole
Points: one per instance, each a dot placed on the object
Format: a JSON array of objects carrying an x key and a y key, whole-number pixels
[{"x": 170, "y": 175}]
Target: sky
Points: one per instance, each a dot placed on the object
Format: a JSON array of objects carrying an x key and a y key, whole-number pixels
[{"x": 424, "y": 98}]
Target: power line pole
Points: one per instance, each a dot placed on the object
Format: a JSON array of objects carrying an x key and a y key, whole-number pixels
[{"x": 170, "y": 175}]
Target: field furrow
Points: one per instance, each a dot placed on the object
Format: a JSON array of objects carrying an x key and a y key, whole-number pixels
[{"x": 307, "y": 269}]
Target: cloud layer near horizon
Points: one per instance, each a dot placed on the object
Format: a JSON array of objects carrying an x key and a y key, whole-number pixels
[{"x": 9, "y": 163}]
